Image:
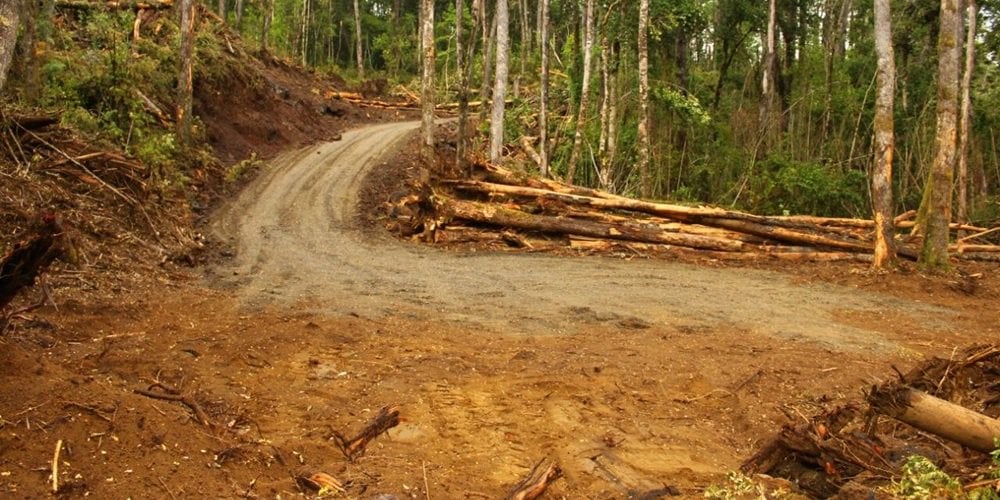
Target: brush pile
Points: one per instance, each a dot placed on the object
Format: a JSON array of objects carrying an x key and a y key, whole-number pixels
[
  {"x": 497, "y": 205},
  {"x": 858, "y": 449}
]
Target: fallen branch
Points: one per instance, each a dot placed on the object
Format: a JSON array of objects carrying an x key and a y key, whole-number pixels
[
  {"x": 536, "y": 482},
  {"x": 165, "y": 392},
  {"x": 387, "y": 418},
  {"x": 55, "y": 467}
]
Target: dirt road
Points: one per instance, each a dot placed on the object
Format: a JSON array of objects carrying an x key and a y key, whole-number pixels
[{"x": 296, "y": 241}]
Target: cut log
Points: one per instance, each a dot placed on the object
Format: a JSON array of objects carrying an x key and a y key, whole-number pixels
[
  {"x": 530, "y": 150},
  {"x": 936, "y": 416},
  {"x": 506, "y": 217},
  {"x": 114, "y": 5}
]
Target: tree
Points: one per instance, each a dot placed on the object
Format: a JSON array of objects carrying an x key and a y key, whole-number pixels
[
  {"x": 265, "y": 32},
  {"x": 185, "y": 79},
  {"x": 966, "y": 113},
  {"x": 543, "y": 113},
  {"x": 427, "y": 76},
  {"x": 581, "y": 120},
  {"x": 9, "y": 17},
  {"x": 500, "y": 83},
  {"x": 935, "y": 209},
  {"x": 885, "y": 141},
  {"x": 769, "y": 65},
  {"x": 645, "y": 187},
  {"x": 358, "y": 49}
]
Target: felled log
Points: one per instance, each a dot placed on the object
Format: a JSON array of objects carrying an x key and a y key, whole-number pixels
[
  {"x": 536, "y": 482},
  {"x": 936, "y": 416},
  {"x": 530, "y": 150},
  {"x": 387, "y": 418},
  {"x": 506, "y": 217},
  {"x": 30, "y": 257}
]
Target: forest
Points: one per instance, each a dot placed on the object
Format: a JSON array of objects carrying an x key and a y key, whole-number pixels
[{"x": 516, "y": 249}]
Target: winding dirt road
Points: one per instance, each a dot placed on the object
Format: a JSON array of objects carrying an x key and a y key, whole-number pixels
[{"x": 296, "y": 241}]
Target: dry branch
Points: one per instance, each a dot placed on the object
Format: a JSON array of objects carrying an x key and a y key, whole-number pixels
[
  {"x": 387, "y": 418},
  {"x": 165, "y": 392},
  {"x": 536, "y": 482}
]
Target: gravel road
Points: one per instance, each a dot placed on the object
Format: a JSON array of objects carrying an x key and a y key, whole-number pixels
[{"x": 295, "y": 240}]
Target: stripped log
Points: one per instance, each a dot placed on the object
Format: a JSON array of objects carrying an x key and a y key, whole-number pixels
[
  {"x": 114, "y": 5},
  {"x": 506, "y": 217},
  {"x": 936, "y": 416}
]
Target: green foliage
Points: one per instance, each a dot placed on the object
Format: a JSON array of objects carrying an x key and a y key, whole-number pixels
[
  {"x": 922, "y": 479},
  {"x": 792, "y": 187},
  {"x": 686, "y": 106},
  {"x": 238, "y": 170},
  {"x": 737, "y": 485}
]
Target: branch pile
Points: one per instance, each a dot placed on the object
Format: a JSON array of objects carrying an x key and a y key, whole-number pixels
[
  {"x": 943, "y": 409},
  {"x": 497, "y": 205}
]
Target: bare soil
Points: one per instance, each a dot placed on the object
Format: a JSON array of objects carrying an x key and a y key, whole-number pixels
[{"x": 632, "y": 374}]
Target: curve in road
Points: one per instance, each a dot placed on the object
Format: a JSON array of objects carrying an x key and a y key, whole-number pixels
[{"x": 296, "y": 241}]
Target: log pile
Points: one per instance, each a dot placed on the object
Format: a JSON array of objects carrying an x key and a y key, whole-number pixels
[
  {"x": 944, "y": 410},
  {"x": 495, "y": 203}
]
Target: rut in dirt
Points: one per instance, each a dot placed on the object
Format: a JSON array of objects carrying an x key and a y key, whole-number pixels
[{"x": 295, "y": 240}]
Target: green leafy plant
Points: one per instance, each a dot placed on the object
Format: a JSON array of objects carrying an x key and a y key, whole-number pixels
[{"x": 922, "y": 479}]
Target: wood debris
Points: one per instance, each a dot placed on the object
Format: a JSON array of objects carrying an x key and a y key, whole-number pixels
[
  {"x": 533, "y": 485},
  {"x": 500, "y": 202},
  {"x": 387, "y": 418}
]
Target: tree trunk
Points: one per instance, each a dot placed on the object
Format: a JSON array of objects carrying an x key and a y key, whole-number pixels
[
  {"x": 581, "y": 120},
  {"x": 304, "y": 33},
  {"x": 500, "y": 84},
  {"x": 9, "y": 18},
  {"x": 645, "y": 187},
  {"x": 463, "y": 86},
  {"x": 602, "y": 141},
  {"x": 882, "y": 207},
  {"x": 28, "y": 61},
  {"x": 768, "y": 66},
  {"x": 265, "y": 33},
  {"x": 427, "y": 77},
  {"x": 935, "y": 210},
  {"x": 966, "y": 113},
  {"x": 358, "y": 48},
  {"x": 239, "y": 13},
  {"x": 222, "y": 10},
  {"x": 489, "y": 42},
  {"x": 185, "y": 80},
  {"x": 543, "y": 120}
]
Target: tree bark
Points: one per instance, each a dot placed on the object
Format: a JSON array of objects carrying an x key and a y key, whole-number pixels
[
  {"x": 543, "y": 114},
  {"x": 500, "y": 83},
  {"x": 239, "y": 13},
  {"x": 358, "y": 48},
  {"x": 645, "y": 186},
  {"x": 581, "y": 119},
  {"x": 9, "y": 19},
  {"x": 28, "y": 61},
  {"x": 185, "y": 79},
  {"x": 427, "y": 77},
  {"x": 882, "y": 206},
  {"x": 965, "y": 136},
  {"x": 222, "y": 10},
  {"x": 935, "y": 210}
]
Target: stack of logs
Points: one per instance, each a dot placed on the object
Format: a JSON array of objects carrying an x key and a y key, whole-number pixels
[{"x": 497, "y": 204}]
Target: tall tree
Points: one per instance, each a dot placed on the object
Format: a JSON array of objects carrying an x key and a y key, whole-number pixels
[
  {"x": 768, "y": 81},
  {"x": 427, "y": 76},
  {"x": 9, "y": 18},
  {"x": 885, "y": 140},
  {"x": 358, "y": 48},
  {"x": 581, "y": 119},
  {"x": 543, "y": 113},
  {"x": 265, "y": 32},
  {"x": 645, "y": 186},
  {"x": 965, "y": 135},
  {"x": 222, "y": 10},
  {"x": 500, "y": 83},
  {"x": 935, "y": 210},
  {"x": 463, "y": 85},
  {"x": 185, "y": 80}
]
